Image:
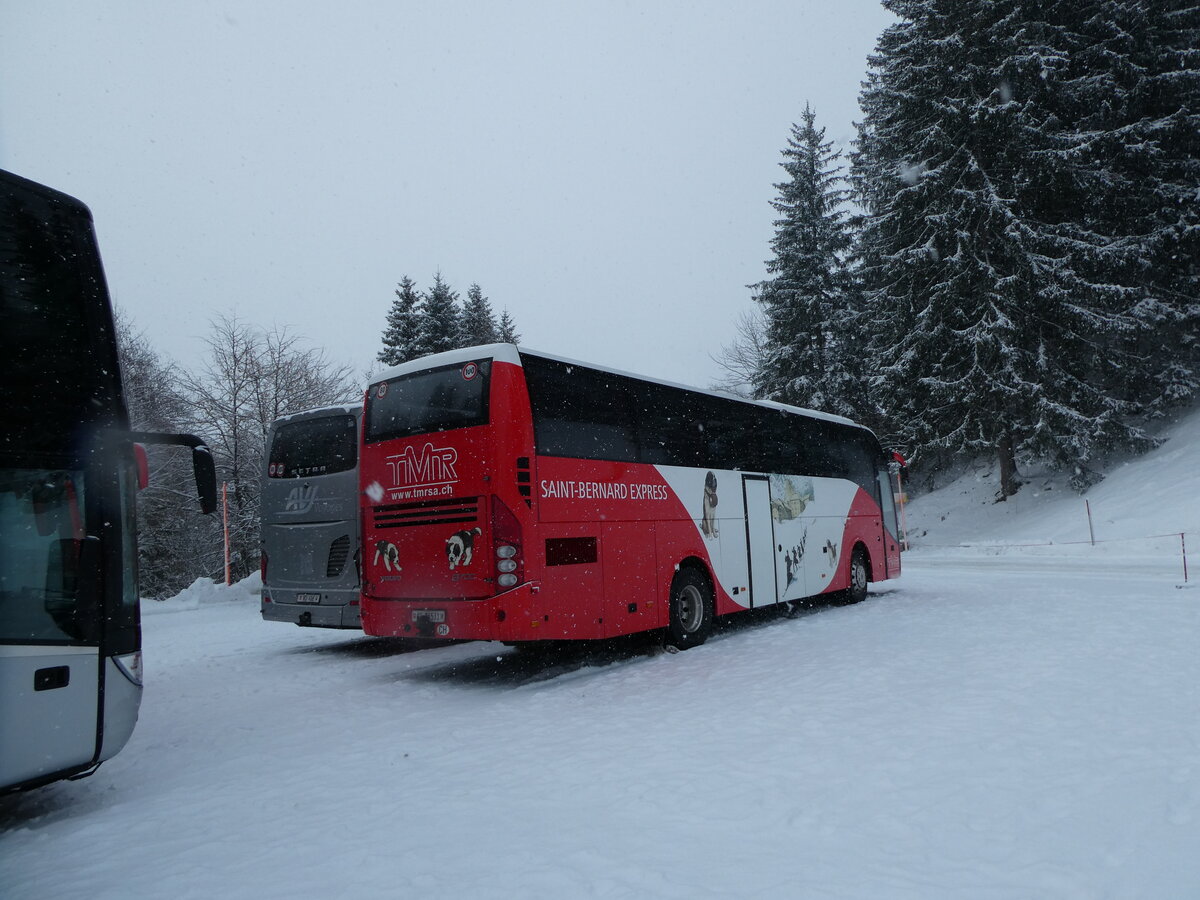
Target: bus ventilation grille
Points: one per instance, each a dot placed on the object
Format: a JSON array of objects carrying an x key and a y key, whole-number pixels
[
  {"x": 427, "y": 512},
  {"x": 339, "y": 552}
]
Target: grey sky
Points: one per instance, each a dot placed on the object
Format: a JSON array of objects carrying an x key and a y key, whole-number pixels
[{"x": 602, "y": 170}]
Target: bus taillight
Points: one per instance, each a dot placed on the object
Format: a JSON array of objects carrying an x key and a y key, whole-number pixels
[
  {"x": 506, "y": 532},
  {"x": 262, "y": 566}
]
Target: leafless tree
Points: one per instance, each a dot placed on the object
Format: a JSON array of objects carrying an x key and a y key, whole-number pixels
[
  {"x": 172, "y": 535},
  {"x": 251, "y": 377},
  {"x": 743, "y": 359}
]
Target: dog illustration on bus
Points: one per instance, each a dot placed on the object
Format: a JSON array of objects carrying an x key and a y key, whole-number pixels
[
  {"x": 387, "y": 553},
  {"x": 460, "y": 547}
]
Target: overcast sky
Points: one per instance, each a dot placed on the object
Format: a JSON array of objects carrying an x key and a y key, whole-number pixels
[{"x": 602, "y": 170}]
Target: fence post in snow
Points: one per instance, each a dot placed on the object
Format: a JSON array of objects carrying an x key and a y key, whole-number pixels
[
  {"x": 1183, "y": 550},
  {"x": 1091, "y": 531}
]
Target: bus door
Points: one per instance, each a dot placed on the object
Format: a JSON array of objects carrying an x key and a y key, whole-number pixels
[
  {"x": 49, "y": 657},
  {"x": 891, "y": 530},
  {"x": 760, "y": 539}
]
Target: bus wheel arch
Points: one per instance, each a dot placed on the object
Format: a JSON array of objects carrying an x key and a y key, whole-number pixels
[{"x": 691, "y": 605}]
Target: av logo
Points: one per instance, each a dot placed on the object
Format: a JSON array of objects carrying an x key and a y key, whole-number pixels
[
  {"x": 300, "y": 499},
  {"x": 432, "y": 467}
]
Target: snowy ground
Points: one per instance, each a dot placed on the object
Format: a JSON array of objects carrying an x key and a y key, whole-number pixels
[
  {"x": 1137, "y": 512},
  {"x": 995, "y": 724}
]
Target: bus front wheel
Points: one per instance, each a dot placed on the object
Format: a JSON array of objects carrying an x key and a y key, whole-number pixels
[{"x": 691, "y": 617}]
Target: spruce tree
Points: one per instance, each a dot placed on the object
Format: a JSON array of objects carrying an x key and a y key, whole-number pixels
[
  {"x": 994, "y": 289},
  {"x": 806, "y": 300},
  {"x": 1165, "y": 117},
  {"x": 478, "y": 324},
  {"x": 403, "y": 325},
  {"x": 439, "y": 321},
  {"x": 508, "y": 331}
]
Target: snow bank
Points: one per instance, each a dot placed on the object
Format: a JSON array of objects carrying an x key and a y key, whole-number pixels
[{"x": 205, "y": 591}]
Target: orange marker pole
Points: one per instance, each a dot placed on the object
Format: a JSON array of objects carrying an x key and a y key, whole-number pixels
[{"x": 225, "y": 516}]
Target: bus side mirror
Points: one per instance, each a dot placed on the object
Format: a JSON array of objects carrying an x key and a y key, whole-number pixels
[
  {"x": 206, "y": 478},
  {"x": 202, "y": 463}
]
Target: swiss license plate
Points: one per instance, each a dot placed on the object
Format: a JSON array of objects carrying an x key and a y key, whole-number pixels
[
  {"x": 429, "y": 615},
  {"x": 308, "y": 598}
]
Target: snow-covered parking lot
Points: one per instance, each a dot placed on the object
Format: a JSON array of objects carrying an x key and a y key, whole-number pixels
[{"x": 965, "y": 732}]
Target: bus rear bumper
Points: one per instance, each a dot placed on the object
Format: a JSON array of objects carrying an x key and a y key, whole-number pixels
[
  {"x": 516, "y": 615},
  {"x": 337, "y": 609}
]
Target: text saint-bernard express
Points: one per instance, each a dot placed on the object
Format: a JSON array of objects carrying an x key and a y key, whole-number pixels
[{"x": 561, "y": 489}]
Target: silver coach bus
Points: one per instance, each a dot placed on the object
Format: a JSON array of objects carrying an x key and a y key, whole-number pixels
[{"x": 310, "y": 534}]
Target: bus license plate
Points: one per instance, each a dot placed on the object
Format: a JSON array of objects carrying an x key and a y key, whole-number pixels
[
  {"x": 429, "y": 615},
  {"x": 308, "y": 598}
]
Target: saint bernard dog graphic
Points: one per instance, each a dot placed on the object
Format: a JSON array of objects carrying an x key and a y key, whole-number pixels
[
  {"x": 460, "y": 547},
  {"x": 387, "y": 552}
]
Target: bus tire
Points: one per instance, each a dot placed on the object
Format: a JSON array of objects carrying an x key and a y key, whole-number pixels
[
  {"x": 859, "y": 576},
  {"x": 691, "y": 614}
]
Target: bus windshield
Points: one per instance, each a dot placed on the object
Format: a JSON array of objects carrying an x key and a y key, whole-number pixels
[
  {"x": 454, "y": 396},
  {"x": 314, "y": 447},
  {"x": 41, "y": 529}
]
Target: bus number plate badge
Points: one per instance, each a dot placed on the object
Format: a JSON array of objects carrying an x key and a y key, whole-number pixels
[
  {"x": 428, "y": 615},
  {"x": 308, "y": 598}
]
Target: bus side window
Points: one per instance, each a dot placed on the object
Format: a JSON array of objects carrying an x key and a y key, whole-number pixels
[
  {"x": 670, "y": 426},
  {"x": 805, "y": 439},
  {"x": 580, "y": 412},
  {"x": 731, "y": 437}
]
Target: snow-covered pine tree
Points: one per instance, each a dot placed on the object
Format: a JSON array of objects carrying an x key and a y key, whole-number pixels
[
  {"x": 439, "y": 321},
  {"x": 1064, "y": 81},
  {"x": 1110, "y": 161},
  {"x": 1162, "y": 130},
  {"x": 994, "y": 302},
  {"x": 508, "y": 331},
  {"x": 806, "y": 299},
  {"x": 403, "y": 325},
  {"x": 478, "y": 323}
]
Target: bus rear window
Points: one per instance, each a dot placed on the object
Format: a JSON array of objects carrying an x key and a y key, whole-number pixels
[
  {"x": 434, "y": 400},
  {"x": 314, "y": 447}
]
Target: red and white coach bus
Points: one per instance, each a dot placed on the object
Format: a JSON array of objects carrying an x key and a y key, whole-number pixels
[{"x": 516, "y": 496}]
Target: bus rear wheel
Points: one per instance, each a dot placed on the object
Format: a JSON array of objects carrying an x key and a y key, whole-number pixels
[
  {"x": 857, "y": 592},
  {"x": 691, "y": 618}
]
